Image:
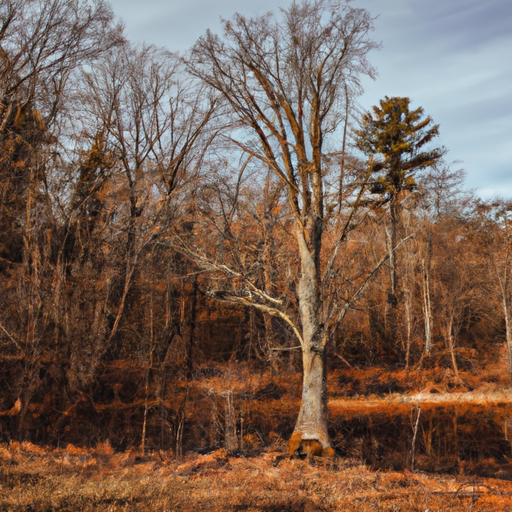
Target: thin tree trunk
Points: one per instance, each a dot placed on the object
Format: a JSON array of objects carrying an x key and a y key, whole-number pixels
[
  {"x": 504, "y": 283},
  {"x": 230, "y": 423},
  {"x": 450, "y": 342},
  {"x": 408, "y": 318},
  {"x": 391, "y": 252},
  {"x": 427, "y": 311},
  {"x": 393, "y": 256},
  {"x": 508, "y": 330},
  {"x": 344, "y": 148},
  {"x": 415, "y": 435},
  {"x": 145, "y": 419},
  {"x": 191, "y": 338}
]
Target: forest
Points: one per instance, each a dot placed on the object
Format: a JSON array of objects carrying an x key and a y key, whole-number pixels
[{"x": 222, "y": 250}]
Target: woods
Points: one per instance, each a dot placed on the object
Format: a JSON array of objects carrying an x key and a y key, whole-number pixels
[{"x": 165, "y": 219}]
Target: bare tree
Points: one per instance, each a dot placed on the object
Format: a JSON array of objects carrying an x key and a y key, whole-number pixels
[
  {"x": 283, "y": 80},
  {"x": 43, "y": 44},
  {"x": 495, "y": 231},
  {"x": 443, "y": 191},
  {"x": 442, "y": 197},
  {"x": 151, "y": 123}
]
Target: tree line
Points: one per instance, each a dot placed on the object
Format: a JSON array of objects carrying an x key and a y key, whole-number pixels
[{"x": 158, "y": 212}]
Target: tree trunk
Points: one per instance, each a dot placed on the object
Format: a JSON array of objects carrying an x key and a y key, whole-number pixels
[
  {"x": 393, "y": 299},
  {"x": 427, "y": 310},
  {"x": 451, "y": 347},
  {"x": 310, "y": 435},
  {"x": 508, "y": 331},
  {"x": 409, "y": 324}
]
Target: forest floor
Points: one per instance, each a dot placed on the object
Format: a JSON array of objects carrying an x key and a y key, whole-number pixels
[
  {"x": 457, "y": 437},
  {"x": 75, "y": 479}
]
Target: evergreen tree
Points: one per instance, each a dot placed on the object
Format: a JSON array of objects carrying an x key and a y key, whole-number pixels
[{"x": 395, "y": 138}]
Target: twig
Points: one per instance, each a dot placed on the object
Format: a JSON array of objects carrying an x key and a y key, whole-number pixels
[{"x": 343, "y": 359}]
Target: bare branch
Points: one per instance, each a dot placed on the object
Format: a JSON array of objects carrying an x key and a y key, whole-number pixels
[{"x": 333, "y": 323}]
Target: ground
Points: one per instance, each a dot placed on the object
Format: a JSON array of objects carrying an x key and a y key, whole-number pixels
[
  {"x": 74, "y": 479},
  {"x": 405, "y": 441}
]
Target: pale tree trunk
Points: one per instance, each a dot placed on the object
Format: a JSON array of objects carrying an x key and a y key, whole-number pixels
[
  {"x": 504, "y": 284},
  {"x": 392, "y": 241},
  {"x": 310, "y": 434},
  {"x": 451, "y": 347},
  {"x": 426, "y": 264},
  {"x": 427, "y": 311},
  {"x": 230, "y": 423},
  {"x": 409, "y": 321},
  {"x": 408, "y": 292},
  {"x": 408, "y": 285}
]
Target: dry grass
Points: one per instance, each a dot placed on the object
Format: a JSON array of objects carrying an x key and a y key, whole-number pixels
[
  {"x": 32, "y": 479},
  {"x": 371, "y": 413}
]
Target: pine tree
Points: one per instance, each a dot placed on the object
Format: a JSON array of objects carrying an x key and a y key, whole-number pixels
[{"x": 395, "y": 138}]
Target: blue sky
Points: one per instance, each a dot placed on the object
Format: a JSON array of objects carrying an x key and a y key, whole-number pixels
[{"x": 452, "y": 57}]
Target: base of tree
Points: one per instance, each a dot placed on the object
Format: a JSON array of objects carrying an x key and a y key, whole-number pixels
[{"x": 308, "y": 447}]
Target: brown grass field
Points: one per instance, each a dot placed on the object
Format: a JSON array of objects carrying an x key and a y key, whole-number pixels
[
  {"x": 462, "y": 452},
  {"x": 75, "y": 479}
]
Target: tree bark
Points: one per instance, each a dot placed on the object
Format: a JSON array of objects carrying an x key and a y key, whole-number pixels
[{"x": 311, "y": 435}]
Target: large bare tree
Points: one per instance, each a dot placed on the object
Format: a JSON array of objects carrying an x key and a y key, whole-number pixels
[{"x": 284, "y": 80}]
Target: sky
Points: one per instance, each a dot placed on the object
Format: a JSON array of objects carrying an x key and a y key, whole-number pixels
[{"x": 451, "y": 57}]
